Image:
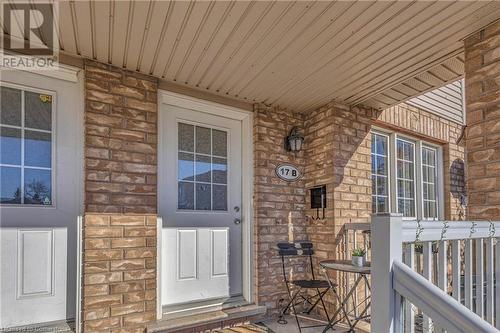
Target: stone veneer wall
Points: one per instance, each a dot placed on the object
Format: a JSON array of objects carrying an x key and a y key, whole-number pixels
[
  {"x": 119, "y": 273},
  {"x": 482, "y": 87},
  {"x": 120, "y": 140},
  {"x": 278, "y": 205},
  {"x": 119, "y": 260}
]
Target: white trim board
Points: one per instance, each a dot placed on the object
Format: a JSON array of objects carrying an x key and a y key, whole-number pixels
[
  {"x": 197, "y": 104},
  {"x": 246, "y": 118},
  {"x": 63, "y": 72}
]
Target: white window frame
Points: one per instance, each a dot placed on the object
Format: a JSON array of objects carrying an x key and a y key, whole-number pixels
[
  {"x": 393, "y": 136},
  {"x": 24, "y": 88},
  {"x": 389, "y": 163},
  {"x": 194, "y": 182}
]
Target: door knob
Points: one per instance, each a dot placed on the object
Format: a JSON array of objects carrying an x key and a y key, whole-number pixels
[
  {"x": 236, "y": 209},
  {"x": 237, "y": 221}
]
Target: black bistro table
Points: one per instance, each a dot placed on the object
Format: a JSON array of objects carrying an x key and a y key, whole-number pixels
[{"x": 361, "y": 272}]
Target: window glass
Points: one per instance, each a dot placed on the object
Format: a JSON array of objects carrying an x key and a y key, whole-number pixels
[
  {"x": 405, "y": 177},
  {"x": 185, "y": 195},
  {"x": 10, "y": 112},
  {"x": 429, "y": 183},
  {"x": 202, "y": 168},
  {"x": 37, "y": 186},
  {"x": 203, "y": 140},
  {"x": 380, "y": 182},
  {"x": 37, "y": 149},
  {"x": 38, "y": 111},
  {"x": 186, "y": 137},
  {"x": 25, "y": 147},
  {"x": 10, "y": 190},
  {"x": 10, "y": 145}
]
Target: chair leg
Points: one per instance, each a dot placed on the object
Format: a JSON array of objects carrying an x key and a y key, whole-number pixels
[
  {"x": 292, "y": 299},
  {"x": 316, "y": 302},
  {"x": 295, "y": 311},
  {"x": 323, "y": 304}
]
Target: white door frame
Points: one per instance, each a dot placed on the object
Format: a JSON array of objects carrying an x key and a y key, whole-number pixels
[{"x": 246, "y": 119}]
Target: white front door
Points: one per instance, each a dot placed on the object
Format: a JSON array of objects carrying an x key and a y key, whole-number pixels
[
  {"x": 41, "y": 142},
  {"x": 200, "y": 202}
]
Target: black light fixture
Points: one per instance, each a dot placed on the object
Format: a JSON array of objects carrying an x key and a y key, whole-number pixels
[{"x": 294, "y": 141}]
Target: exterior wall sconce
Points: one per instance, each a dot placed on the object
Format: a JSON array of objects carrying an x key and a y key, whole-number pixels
[{"x": 294, "y": 141}]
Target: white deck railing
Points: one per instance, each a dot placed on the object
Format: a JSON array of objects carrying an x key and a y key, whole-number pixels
[{"x": 461, "y": 260}]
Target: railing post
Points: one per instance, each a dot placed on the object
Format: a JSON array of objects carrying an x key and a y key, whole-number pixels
[{"x": 386, "y": 248}]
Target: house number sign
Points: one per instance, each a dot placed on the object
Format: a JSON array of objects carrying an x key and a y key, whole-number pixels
[{"x": 288, "y": 172}]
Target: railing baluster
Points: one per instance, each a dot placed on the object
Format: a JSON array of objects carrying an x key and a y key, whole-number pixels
[
  {"x": 456, "y": 269},
  {"x": 347, "y": 254},
  {"x": 355, "y": 294},
  {"x": 365, "y": 247},
  {"x": 468, "y": 274},
  {"x": 479, "y": 278},
  {"x": 442, "y": 268},
  {"x": 497, "y": 284},
  {"x": 427, "y": 252},
  {"x": 409, "y": 259},
  {"x": 490, "y": 301}
]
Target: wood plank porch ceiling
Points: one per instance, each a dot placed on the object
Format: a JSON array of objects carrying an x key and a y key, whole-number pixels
[{"x": 299, "y": 55}]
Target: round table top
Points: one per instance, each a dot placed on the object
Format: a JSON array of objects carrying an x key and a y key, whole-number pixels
[{"x": 345, "y": 266}]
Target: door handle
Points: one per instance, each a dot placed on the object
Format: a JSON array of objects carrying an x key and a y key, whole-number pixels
[{"x": 237, "y": 221}]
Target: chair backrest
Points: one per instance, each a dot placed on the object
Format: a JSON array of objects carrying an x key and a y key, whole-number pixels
[{"x": 296, "y": 249}]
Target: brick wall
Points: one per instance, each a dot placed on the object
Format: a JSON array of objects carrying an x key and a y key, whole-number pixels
[
  {"x": 482, "y": 87},
  {"x": 338, "y": 156},
  {"x": 278, "y": 205},
  {"x": 120, "y": 140},
  {"x": 319, "y": 149},
  {"x": 119, "y": 273}
]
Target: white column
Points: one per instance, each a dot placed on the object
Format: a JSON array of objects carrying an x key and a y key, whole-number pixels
[{"x": 386, "y": 248}]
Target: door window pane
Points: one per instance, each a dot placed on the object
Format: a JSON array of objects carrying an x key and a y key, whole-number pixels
[
  {"x": 26, "y": 147},
  {"x": 185, "y": 195},
  {"x": 38, "y": 110},
  {"x": 203, "y": 169},
  {"x": 10, "y": 190},
  {"x": 219, "y": 143},
  {"x": 37, "y": 149},
  {"x": 186, "y": 137},
  {"x": 219, "y": 197},
  {"x": 203, "y": 140},
  {"x": 219, "y": 171},
  {"x": 37, "y": 186},
  {"x": 405, "y": 178},
  {"x": 10, "y": 112},
  {"x": 380, "y": 180},
  {"x": 10, "y": 146},
  {"x": 186, "y": 166},
  {"x": 203, "y": 196},
  {"x": 205, "y": 166}
]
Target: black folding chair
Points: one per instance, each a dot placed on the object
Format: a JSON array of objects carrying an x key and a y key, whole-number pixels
[{"x": 300, "y": 295}]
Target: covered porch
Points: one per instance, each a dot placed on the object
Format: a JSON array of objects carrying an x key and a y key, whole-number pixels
[{"x": 163, "y": 142}]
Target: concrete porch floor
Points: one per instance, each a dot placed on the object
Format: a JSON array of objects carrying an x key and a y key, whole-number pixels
[{"x": 291, "y": 326}]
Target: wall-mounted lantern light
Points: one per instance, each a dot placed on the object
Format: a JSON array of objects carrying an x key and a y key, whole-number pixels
[{"x": 294, "y": 141}]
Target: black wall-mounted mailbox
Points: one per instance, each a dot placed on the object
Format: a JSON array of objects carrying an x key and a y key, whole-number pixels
[{"x": 318, "y": 197}]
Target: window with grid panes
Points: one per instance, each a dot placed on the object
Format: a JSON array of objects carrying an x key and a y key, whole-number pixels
[{"x": 26, "y": 147}]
